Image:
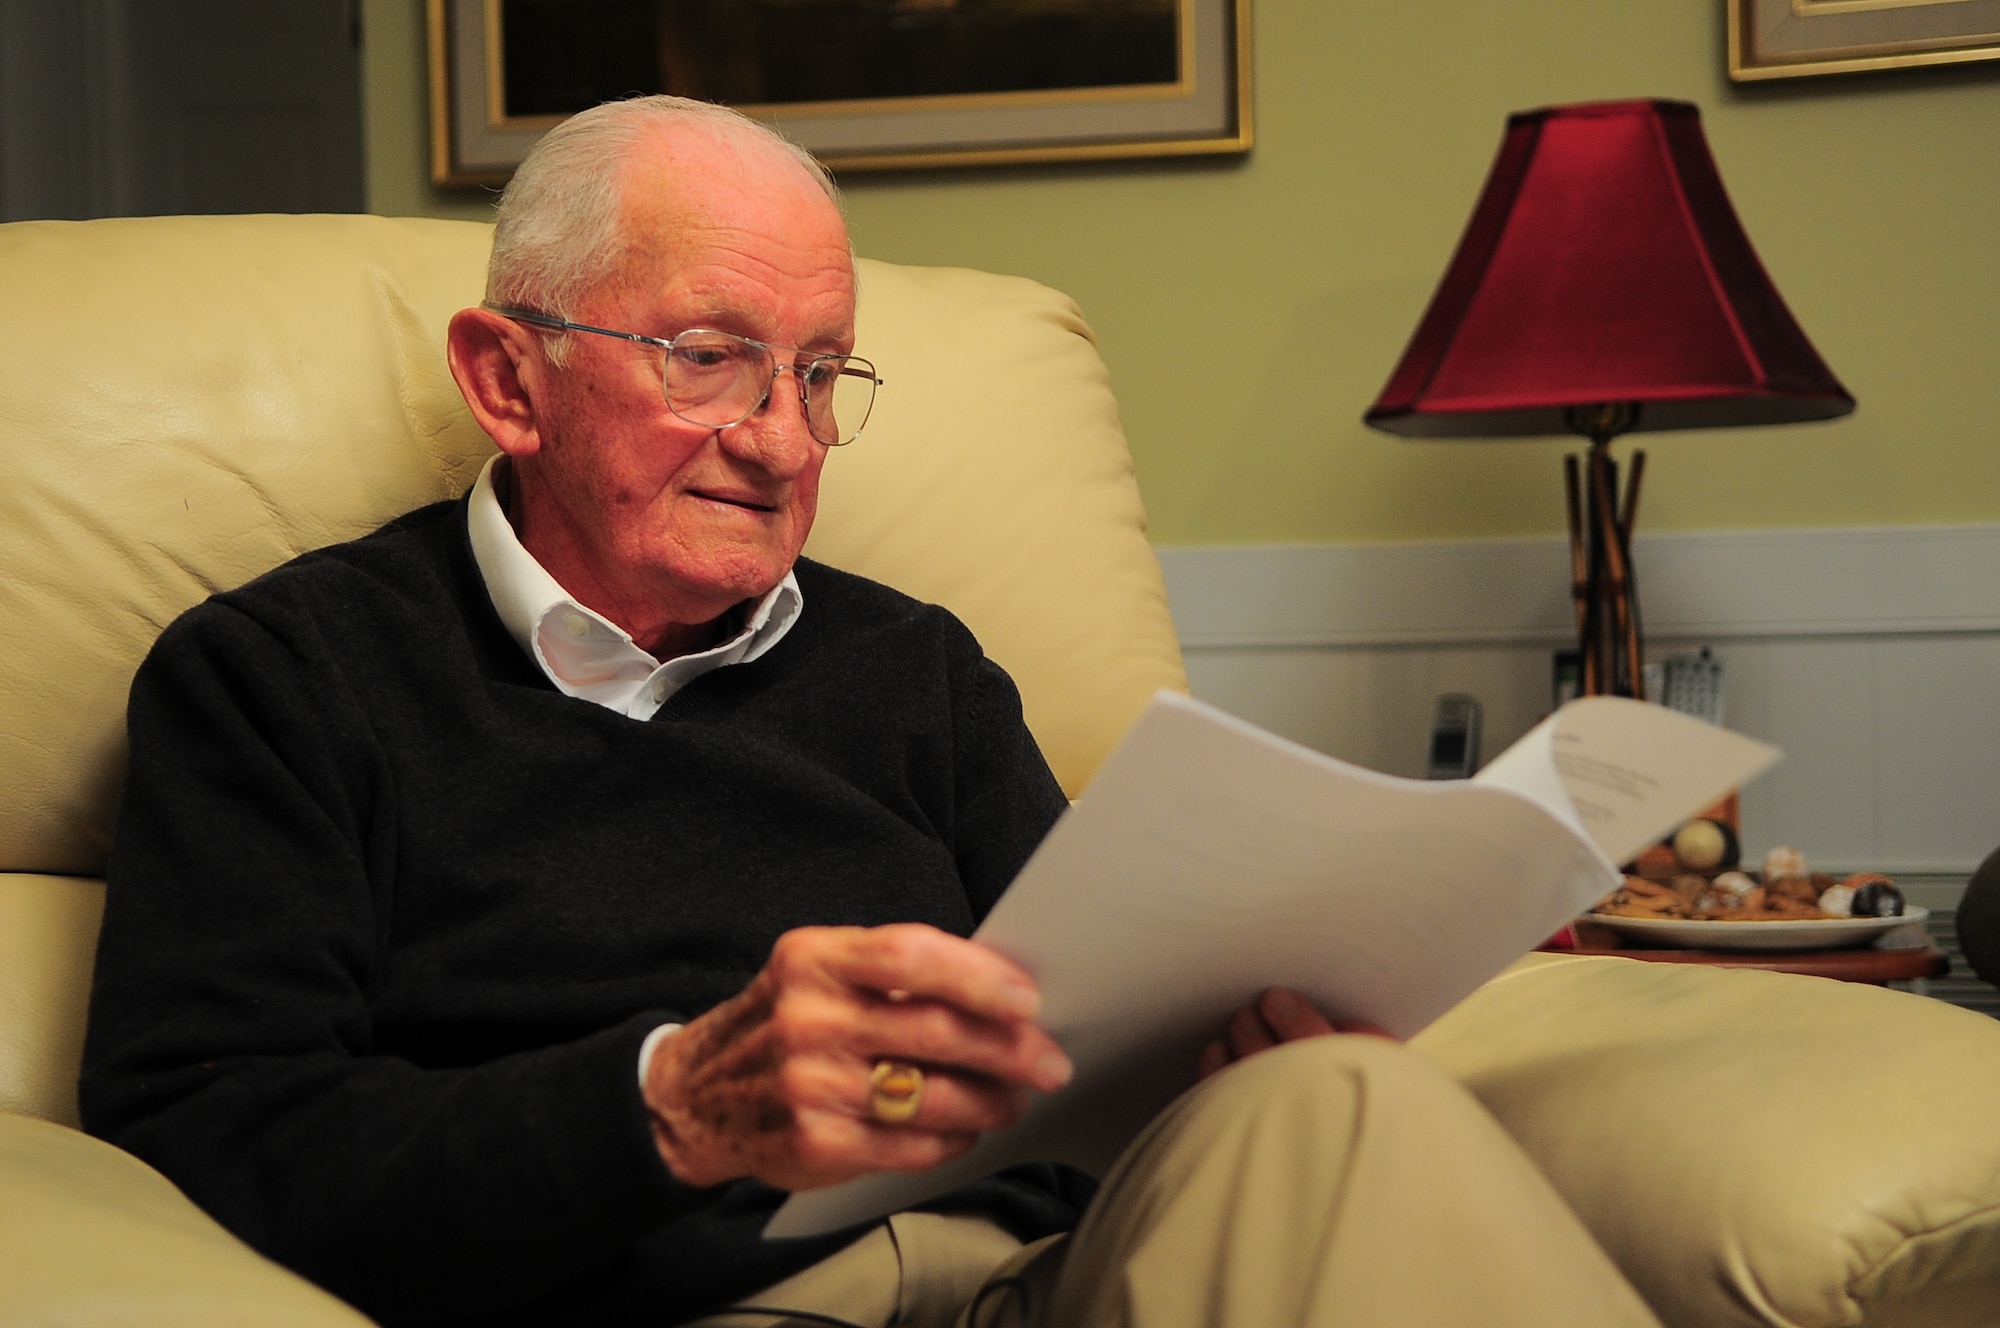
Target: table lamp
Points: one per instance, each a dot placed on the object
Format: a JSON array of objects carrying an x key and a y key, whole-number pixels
[{"x": 1604, "y": 286}]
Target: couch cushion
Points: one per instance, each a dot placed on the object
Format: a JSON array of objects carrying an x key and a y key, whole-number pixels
[
  {"x": 188, "y": 401},
  {"x": 1752, "y": 1148},
  {"x": 93, "y": 1238}
]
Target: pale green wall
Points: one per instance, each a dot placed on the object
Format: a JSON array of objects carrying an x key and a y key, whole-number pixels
[{"x": 1250, "y": 310}]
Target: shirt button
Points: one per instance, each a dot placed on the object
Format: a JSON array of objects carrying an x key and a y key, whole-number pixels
[
  {"x": 576, "y": 625},
  {"x": 659, "y": 690}
]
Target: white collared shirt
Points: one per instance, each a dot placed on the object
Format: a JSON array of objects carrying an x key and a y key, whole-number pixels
[{"x": 584, "y": 653}]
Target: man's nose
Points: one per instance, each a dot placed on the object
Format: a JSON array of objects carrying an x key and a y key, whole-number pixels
[{"x": 776, "y": 435}]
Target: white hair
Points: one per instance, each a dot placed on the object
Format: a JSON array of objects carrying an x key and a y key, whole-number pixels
[{"x": 557, "y": 233}]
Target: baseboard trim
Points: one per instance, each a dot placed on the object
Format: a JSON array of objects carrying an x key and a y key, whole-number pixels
[{"x": 1863, "y": 581}]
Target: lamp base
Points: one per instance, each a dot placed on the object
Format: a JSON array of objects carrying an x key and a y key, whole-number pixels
[{"x": 1600, "y": 535}]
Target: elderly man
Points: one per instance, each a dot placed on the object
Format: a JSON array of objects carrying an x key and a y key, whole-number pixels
[{"x": 508, "y": 907}]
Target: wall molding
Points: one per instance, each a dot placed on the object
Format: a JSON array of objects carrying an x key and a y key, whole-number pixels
[{"x": 1717, "y": 585}]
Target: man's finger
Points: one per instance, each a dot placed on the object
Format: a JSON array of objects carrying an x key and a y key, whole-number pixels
[
  {"x": 922, "y": 995},
  {"x": 946, "y": 1103},
  {"x": 1291, "y": 1017},
  {"x": 912, "y": 960},
  {"x": 839, "y": 1029},
  {"x": 930, "y": 1032},
  {"x": 1248, "y": 1034}
]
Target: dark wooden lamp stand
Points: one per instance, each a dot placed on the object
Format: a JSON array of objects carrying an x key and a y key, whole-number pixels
[{"x": 1600, "y": 551}]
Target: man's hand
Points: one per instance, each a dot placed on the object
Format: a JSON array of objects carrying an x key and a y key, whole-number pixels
[
  {"x": 774, "y": 1083},
  {"x": 1279, "y": 1015}
]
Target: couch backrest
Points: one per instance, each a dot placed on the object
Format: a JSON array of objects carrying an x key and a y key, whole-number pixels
[{"x": 186, "y": 402}]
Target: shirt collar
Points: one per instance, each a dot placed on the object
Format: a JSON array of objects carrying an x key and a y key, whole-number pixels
[{"x": 585, "y": 654}]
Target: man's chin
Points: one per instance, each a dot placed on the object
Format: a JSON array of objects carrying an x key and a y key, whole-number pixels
[
  {"x": 732, "y": 584},
  {"x": 717, "y": 563}
]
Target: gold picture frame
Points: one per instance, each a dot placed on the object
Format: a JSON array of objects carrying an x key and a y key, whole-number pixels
[
  {"x": 1792, "y": 38},
  {"x": 476, "y": 141}
]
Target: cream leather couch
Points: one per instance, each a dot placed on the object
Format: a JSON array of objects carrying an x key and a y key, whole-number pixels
[{"x": 186, "y": 402}]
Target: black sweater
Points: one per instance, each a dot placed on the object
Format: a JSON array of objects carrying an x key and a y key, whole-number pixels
[{"x": 389, "y": 917}]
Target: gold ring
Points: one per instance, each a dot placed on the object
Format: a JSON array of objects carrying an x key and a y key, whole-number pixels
[{"x": 895, "y": 1092}]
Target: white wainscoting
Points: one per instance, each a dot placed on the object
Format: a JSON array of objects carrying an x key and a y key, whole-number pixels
[{"x": 1871, "y": 656}]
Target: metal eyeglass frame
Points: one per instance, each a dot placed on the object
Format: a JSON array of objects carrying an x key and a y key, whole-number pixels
[{"x": 851, "y": 366}]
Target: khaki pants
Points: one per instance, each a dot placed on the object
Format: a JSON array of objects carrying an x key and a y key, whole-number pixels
[{"x": 1336, "y": 1182}]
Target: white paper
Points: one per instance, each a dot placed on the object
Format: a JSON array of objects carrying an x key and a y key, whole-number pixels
[
  {"x": 1624, "y": 772},
  {"x": 1210, "y": 860}
]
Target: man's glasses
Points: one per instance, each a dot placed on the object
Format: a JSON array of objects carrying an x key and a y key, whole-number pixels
[{"x": 718, "y": 379}]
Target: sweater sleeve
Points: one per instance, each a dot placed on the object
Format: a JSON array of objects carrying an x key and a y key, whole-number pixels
[{"x": 230, "y": 1041}]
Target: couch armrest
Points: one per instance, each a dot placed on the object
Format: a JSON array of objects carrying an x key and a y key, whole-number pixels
[
  {"x": 1752, "y": 1148},
  {"x": 91, "y": 1235}
]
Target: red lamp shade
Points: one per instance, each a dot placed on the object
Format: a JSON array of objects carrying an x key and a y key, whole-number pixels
[{"x": 1605, "y": 265}]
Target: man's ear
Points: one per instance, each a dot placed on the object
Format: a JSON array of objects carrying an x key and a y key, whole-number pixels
[{"x": 497, "y": 367}]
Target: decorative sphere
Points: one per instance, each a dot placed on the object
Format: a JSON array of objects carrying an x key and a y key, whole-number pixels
[{"x": 1704, "y": 846}]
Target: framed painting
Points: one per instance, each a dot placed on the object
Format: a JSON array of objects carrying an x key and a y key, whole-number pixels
[
  {"x": 1790, "y": 38},
  {"x": 862, "y": 84}
]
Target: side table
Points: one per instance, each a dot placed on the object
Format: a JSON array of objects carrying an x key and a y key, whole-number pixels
[{"x": 1852, "y": 965}]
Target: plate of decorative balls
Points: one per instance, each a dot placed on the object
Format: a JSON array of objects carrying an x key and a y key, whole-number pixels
[{"x": 1709, "y": 902}]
